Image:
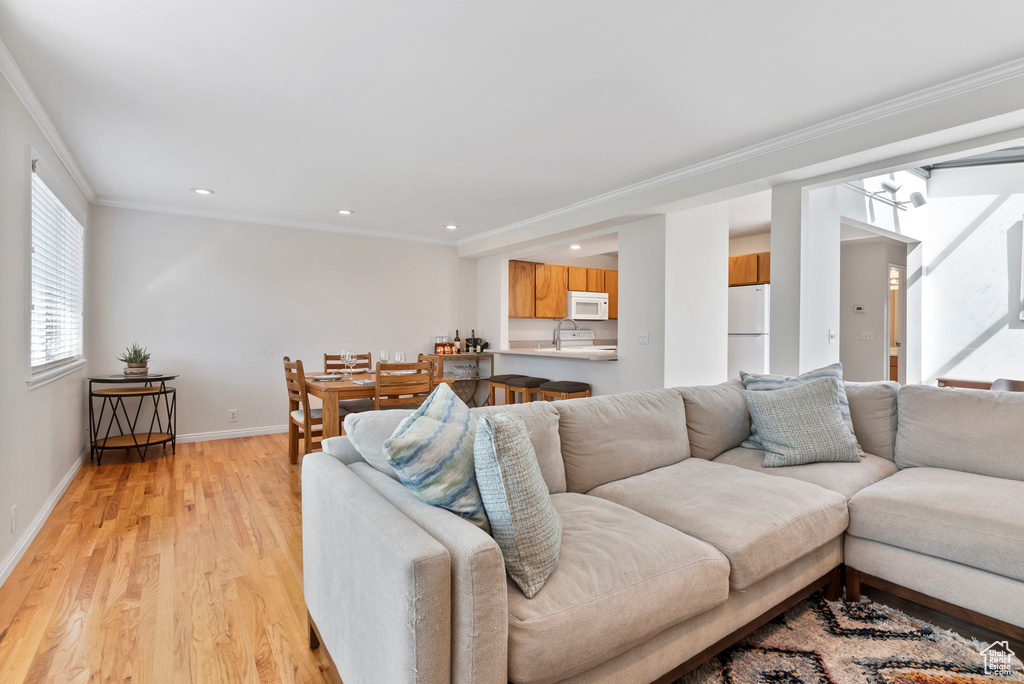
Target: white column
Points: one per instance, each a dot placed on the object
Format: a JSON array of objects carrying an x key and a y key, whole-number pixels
[
  {"x": 805, "y": 278},
  {"x": 697, "y": 296}
]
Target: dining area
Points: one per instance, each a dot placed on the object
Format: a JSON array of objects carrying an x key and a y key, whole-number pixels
[{"x": 352, "y": 382}]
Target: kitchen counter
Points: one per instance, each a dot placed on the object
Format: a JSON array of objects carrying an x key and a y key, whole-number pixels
[{"x": 575, "y": 354}]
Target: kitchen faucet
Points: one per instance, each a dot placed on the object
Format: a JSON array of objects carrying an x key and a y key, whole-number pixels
[{"x": 558, "y": 328}]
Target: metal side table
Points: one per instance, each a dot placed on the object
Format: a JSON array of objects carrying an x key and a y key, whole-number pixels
[{"x": 115, "y": 410}]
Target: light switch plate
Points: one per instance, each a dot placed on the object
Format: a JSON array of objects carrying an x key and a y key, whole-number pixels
[
  {"x": 832, "y": 336},
  {"x": 643, "y": 337},
  {"x": 867, "y": 336}
]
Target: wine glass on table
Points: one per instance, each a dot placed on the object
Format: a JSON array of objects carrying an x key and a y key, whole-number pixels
[
  {"x": 385, "y": 356},
  {"x": 400, "y": 357},
  {"x": 349, "y": 359}
]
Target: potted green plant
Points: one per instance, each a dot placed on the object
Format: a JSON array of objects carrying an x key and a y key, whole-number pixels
[{"x": 136, "y": 359}]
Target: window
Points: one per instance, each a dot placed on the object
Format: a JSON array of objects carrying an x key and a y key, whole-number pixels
[{"x": 57, "y": 249}]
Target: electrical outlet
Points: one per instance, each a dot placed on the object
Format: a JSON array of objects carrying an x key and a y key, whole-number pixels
[
  {"x": 832, "y": 336},
  {"x": 643, "y": 337},
  {"x": 14, "y": 517},
  {"x": 867, "y": 336},
  {"x": 232, "y": 415}
]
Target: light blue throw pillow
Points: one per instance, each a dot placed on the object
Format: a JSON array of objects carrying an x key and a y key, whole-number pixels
[
  {"x": 756, "y": 382},
  {"x": 432, "y": 454},
  {"x": 523, "y": 520},
  {"x": 802, "y": 424}
]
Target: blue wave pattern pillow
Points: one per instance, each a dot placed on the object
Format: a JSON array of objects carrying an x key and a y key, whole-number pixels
[
  {"x": 802, "y": 424},
  {"x": 523, "y": 520},
  {"x": 754, "y": 382},
  {"x": 432, "y": 454}
]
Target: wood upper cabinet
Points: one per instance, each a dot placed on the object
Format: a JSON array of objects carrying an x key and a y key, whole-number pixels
[
  {"x": 750, "y": 269},
  {"x": 743, "y": 270},
  {"x": 577, "y": 279},
  {"x": 595, "y": 280},
  {"x": 611, "y": 283},
  {"x": 764, "y": 267},
  {"x": 521, "y": 289},
  {"x": 552, "y": 283}
]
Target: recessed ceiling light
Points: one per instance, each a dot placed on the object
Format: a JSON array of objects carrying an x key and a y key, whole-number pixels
[
  {"x": 451, "y": 226},
  {"x": 202, "y": 191},
  {"x": 345, "y": 212},
  {"x": 574, "y": 246}
]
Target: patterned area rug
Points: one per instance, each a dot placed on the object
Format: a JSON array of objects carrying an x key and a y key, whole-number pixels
[{"x": 821, "y": 642}]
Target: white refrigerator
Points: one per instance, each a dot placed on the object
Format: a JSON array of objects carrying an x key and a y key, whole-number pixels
[{"x": 749, "y": 313}]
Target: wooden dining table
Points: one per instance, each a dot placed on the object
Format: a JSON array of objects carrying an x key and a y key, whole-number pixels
[{"x": 332, "y": 391}]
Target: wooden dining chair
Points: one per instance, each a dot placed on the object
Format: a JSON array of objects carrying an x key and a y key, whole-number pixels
[
  {"x": 302, "y": 422},
  {"x": 1008, "y": 385},
  {"x": 407, "y": 390},
  {"x": 334, "y": 362},
  {"x": 436, "y": 368}
]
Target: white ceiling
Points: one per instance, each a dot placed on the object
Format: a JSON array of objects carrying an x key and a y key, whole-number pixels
[
  {"x": 416, "y": 114},
  {"x": 750, "y": 214}
]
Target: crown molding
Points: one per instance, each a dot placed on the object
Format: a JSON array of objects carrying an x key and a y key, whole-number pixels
[
  {"x": 12, "y": 73},
  {"x": 266, "y": 221},
  {"x": 962, "y": 85}
]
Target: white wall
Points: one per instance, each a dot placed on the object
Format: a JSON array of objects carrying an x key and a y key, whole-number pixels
[
  {"x": 641, "y": 307},
  {"x": 972, "y": 253},
  {"x": 865, "y": 281},
  {"x": 750, "y": 244},
  {"x": 42, "y": 430},
  {"x": 221, "y": 302},
  {"x": 697, "y": 296}
]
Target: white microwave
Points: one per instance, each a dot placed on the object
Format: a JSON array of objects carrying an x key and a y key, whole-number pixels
[{"x": 587, "y": 306}]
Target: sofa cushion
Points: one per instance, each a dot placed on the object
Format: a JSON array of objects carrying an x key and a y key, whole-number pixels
[
  {"x": 962, "y": 517},
  {"x": 716, "y": 418},
  {"x": 541, "y": 418},
  {"x": 761, "y": 523},
  {"x": 873, "y": 410},
  {"x": 845, "y": 478},
  {"x": 975, "y": 431},
  {"x": 611, "y": 437},
  {"x": 621, "y": 578},
  {"x": 518, "y": 505}
]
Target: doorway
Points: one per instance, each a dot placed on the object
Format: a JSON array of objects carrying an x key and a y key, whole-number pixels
[{"x": 896, "y": 324}]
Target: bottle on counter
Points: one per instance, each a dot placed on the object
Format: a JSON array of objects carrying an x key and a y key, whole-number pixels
[{"x": 458, "y": 342}]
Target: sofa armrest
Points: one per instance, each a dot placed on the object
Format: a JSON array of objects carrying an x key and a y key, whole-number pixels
[
  {"x": 479, "y": 586},
  {"x": 377, "y": 585},
  {"x": 342, "y": 449}
]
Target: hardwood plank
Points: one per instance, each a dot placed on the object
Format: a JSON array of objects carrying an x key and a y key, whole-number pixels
[{"x": 186, "y": 568}]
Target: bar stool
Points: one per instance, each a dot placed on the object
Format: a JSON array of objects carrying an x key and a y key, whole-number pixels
[
  {"x": 523, "y": 387},
  {"x": 500, "y": 382},
  {"x": 563, "y": 389}
]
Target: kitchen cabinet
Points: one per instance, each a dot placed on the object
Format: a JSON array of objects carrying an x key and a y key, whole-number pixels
[
  {"x": 611, "y": 283},
  {"x": 595, "y": 280},
  {"x": 578, "y": 279},
  {"x": 743, "y": 270},
  {"x": 521, "y": 289},
  {"x": 764, "y": 267},
  {"x": 552, "y": 283},
  {"x": 750, "y": 269}
]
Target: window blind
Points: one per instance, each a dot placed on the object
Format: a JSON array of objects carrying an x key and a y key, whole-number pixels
[{"x": 57, "y": 274}]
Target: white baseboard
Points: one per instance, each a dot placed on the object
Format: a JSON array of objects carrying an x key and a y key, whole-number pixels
[
  {"x": 7, "y": 566},
  {"x": 232, "y": 434}
]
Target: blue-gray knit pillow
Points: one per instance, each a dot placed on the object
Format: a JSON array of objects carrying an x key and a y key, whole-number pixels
[
  {"x": 523, "y": 521},
  {"x": 762, "y": 382},
  {"x": 802, "y": 424}
]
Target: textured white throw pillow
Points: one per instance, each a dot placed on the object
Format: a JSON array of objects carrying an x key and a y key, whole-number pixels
[{"x": 523, "y": 520}]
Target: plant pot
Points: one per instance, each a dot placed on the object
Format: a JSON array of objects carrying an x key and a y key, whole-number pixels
[{"x": 136, "y": 369}]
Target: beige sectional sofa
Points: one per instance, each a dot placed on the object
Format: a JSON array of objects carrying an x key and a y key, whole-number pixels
[{"x": 676, "y": 543}]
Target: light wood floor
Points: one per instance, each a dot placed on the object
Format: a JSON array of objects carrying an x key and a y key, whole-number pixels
[{"x": 186, "y": 568}]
